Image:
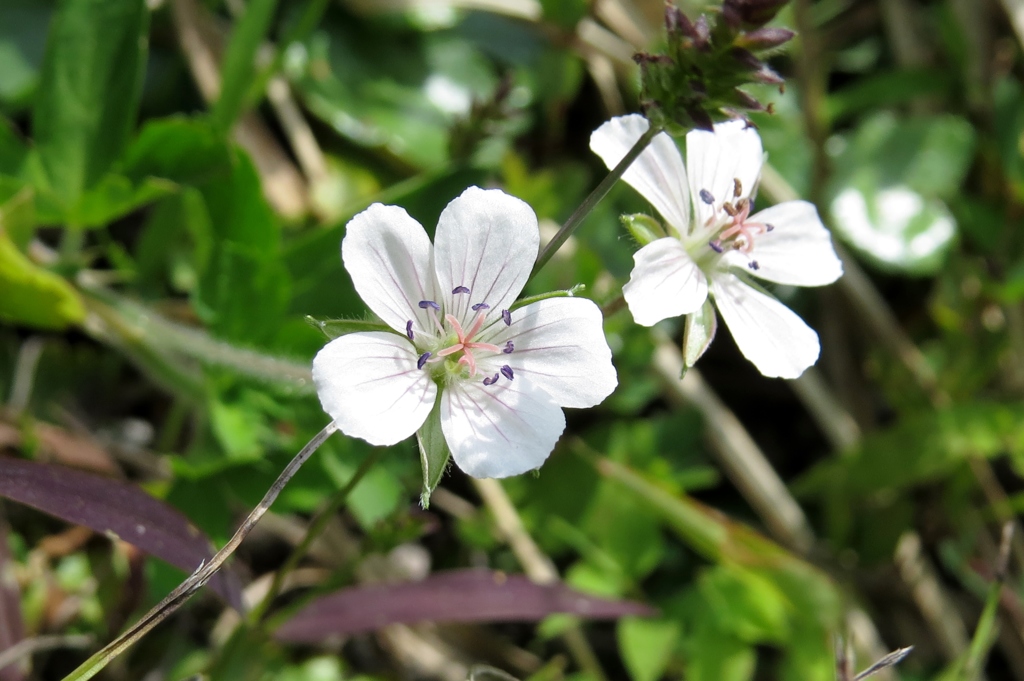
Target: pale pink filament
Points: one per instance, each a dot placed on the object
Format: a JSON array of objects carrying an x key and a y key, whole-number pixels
[
  {"x": 466, "y": 343},
  {"x": 745, "y": 230}
]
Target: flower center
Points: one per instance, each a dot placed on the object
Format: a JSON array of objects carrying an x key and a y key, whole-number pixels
[
  {"x": 454, "y": 350},
  {"x": 730, "y": 227}
]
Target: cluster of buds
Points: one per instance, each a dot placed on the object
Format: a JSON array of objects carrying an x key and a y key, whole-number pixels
[{"x": 698, "y": 79}]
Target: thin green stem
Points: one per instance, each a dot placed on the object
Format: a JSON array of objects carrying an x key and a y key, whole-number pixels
[
  {"x": 315, "y": 529},
  {"x": 203, "y": 574},
  {"x": 591, "y": 201}
]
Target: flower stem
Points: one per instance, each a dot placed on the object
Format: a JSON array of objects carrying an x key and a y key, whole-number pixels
[
  {"x": 593, "y": 199},
  {"x": 202, "y": 575},
  {"x": 316, "y": 527}
]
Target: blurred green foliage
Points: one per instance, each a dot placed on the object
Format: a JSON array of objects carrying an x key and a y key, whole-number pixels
[{"x": 162, "y": 244}]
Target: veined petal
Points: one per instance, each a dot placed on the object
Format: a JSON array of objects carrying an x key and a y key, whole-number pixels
[
  {"x": 798, "y": 251},
  {"x": 559, "y": 345},
  {"x": 370, "y": 386},
  {"x": 658, "y": 172},
  {"x": 715, "y": 160},
  {"x": 389, "y": 257},
  {"x": 767, "y": 332},
  {"x": 486, "y": 241},
  {"x": 665, "y": 283},
  {"x": 499, "y": 430}
]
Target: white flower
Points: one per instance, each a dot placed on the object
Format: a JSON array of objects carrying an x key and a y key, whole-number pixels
[
  {"x": 502, "y": 376},
  {"x": 716, "y": 246}
]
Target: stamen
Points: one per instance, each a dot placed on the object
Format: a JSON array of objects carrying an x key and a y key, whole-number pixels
[
  {"x": 481, "y": 306},
  {"x": 707, "y": 197},
  {"x": 753, "y": 265},
  {"x": 506, "y": 317},
  {"x": 460, "y": 289},
  {"x": 509, "y": 347},
  {"x": 730, "y": 209},
  {"x": 492, "y": 380},
  {"x": 768, "y": 226},
  {"x": 716, "y": 245},
  {"x": 506, "y": 371},
  {"x": 408, "y": 329},
  {"x": 737, "y": 187},
  {"x": 424, "y": 304},
  {"x": 422, "y": 360}
]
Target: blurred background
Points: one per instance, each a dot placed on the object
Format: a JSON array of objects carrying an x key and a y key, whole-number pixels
[{"x": 175, "y": 178}]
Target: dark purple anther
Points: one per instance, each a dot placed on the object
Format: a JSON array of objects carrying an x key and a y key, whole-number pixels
[
  {"x": 753, "y": 265},
  {"x": 481, "y": 306},
  {"x": 408, "y": 329},
  {"x": 507, "y": 317},
  {"x": 492, "y": 380},
  {"x": 506, "y": 371},
  {"x": 707, "y": 197},
  {"x": 422, "y": 360},
  {"x": 768, "y": 227},
  {"x": 424, "y": 304},
  {"x": 509, "y": 347},
  {"x": 715, "y": 246},
  {"x": 460, "y": 289}
]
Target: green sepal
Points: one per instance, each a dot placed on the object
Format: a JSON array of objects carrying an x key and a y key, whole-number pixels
[
  {"x": 332, "y": 328},
  {"x": 566, "y": 293},
  {"x": 644, "y": 228},
  {"x": 434, "y": 452},
  {"x": 698, "y": 334}
]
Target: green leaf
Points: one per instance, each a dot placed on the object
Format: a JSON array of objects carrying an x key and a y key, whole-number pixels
[
  {"x": 434, "y": 452},
  {"x": 715, "y": 656},
  {"x": 114, "y": 196},
  {"x": 333, "y": 328},
  {"x": 96, "y": 48},
  {"x": 180, "y": 149},
  {"x": 746, "y": 604},
  {"x": 644, "y": 228},
  {"x": 17, "y": 212},
  {"x": 12, "y": 150},
  {"x": 33, "y": 296},
  {"x": 646, "y": 646},
  {"x": 239, "y": 62},
  {"x": 700, "y": 331}
]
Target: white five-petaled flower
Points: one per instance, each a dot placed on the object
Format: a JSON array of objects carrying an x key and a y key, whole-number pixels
[
  {"x": 502, "y": 375},
  {"x": 716, "y": 245}
]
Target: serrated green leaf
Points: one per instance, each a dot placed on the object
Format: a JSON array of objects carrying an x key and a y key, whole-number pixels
[
  {"x": 95, "y": 48},
  {"x": 434, "y": 452}
]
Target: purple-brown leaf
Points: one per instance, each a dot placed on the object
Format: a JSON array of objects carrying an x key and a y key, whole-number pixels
[
  {"x": 453, "y": 596},
  {"x": 113, "y": 507}
]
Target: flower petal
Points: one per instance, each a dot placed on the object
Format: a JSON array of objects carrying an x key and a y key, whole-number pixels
[
  {"x": 658, "y": 172},
  {"x": 665, "y": 283},
  {"x": 559, "y": 345},
  {"x": 798, "y": 251},
  {"x": 388, "y": 256},
  {"x": 715, "y": 160},
  {"x": 767, "y": 332},
  {"x": 499, "y": 430},
  {"x": 370, "y": 386},
  {"x": 486, "y": 241}
]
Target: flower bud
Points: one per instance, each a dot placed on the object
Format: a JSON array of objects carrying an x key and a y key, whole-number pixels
[
  {"x": 766, "y": 38},
  {"x": 753, "y": 13}
]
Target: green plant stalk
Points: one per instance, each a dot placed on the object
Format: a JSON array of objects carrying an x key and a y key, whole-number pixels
[
  {"x": 184, "y": 591},
  {"x": 315, "y": 529},
  {"x": 593, "y": 199},
  {"x": 984, "y": 634}
]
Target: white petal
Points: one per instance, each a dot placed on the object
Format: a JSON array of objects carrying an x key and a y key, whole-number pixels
[
  {"x": 369, "y": 384},
  {"x": 658, "y": 172},
  {"x": 388, "y": 256},
  {"x": 486, "y": 241},
  {"x": 665, "y": 283},
  {"x": 499, "y": 430},
  {"x": 798, "y": 251},
  {"x": 559, "y": 345},
  {"x": 767, "y": 332},
  {"x": 715, "y": 160}
]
